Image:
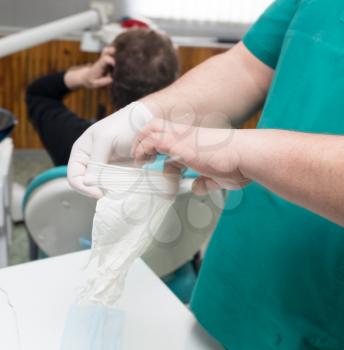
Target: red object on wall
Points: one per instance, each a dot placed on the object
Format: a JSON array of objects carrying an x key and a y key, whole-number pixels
[{"x": 134, "y": 23}]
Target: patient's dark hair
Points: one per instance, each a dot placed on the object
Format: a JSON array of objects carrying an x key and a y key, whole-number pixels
[{"x": 146, "y": 61}]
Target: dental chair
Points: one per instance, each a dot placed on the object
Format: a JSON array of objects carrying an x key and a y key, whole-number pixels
[
  {"x": 56, "y": 217},
  {"x": 59, "y": 221}
]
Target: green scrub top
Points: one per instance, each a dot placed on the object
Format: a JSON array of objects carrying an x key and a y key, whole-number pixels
[{"x": 273, "y": 275}]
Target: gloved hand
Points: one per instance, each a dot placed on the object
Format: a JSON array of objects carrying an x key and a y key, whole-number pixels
[
  {"x": 214, "y": 153},
  {"x": 107, "y": 141}
]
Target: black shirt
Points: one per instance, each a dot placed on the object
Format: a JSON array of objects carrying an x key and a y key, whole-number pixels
[{"x": 57, "y": 126}]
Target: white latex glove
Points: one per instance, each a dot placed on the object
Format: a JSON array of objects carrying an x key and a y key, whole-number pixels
[{"x": 107, "y": 141}]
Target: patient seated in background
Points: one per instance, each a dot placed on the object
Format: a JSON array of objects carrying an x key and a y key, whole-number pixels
[{"x": 139, "y": 62}]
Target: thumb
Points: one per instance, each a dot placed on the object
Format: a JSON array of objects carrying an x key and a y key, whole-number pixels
[{"x": 203, "y": 185}]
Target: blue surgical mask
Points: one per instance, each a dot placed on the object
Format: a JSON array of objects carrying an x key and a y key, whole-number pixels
[{"x": 93, "y": 327}]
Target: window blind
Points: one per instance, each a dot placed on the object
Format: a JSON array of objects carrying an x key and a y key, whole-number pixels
[{"x": 216, "y": 11}]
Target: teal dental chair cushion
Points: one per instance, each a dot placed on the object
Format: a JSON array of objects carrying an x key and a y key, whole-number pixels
[{"x": 42, "y": 178}]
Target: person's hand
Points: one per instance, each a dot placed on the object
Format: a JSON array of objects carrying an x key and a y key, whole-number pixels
[
  {"x": 214, "y": 153},
  {"x": 108, "y": 140},
  {"x": 92, "y": 76},
  {"x": 97, "y": 76}
]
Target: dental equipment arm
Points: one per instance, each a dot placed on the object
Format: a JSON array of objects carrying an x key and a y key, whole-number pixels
[{"x": 41, "y": 34}]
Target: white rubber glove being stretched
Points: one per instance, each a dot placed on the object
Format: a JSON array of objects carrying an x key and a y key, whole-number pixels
[{"x": 107, "y": 141}]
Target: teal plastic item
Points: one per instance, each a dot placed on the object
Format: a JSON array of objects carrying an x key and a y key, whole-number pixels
[
  {"x": 182, "y": 282},
  {"x": 46, "y": 176},
  {"x": 158, "y": 165},
  {"x": 85, "y": 243},
  {"x": 38, "y": 181}
]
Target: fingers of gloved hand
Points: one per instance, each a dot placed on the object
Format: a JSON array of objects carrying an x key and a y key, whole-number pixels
[
  {"x": 95, "y": 144},
  {"x": 103, "y": 141},
  {"x": 89, "y": 191},
  {"x": 77, "y": 167}
]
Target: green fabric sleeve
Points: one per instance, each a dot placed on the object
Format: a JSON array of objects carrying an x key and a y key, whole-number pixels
[{"x": 265, "y": 38}]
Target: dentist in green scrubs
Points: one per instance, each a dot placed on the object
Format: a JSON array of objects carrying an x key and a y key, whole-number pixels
[{"x": 273, "y": 275}]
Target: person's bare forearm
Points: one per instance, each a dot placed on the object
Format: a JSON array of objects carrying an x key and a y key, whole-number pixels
[
  {"x": 306, "y": 169},
  {"x": 223, "y": 90},
  {"x": 74, "y": 77}
]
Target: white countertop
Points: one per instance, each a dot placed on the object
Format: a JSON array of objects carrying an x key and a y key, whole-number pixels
[{"x": 42, "y": 292}]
